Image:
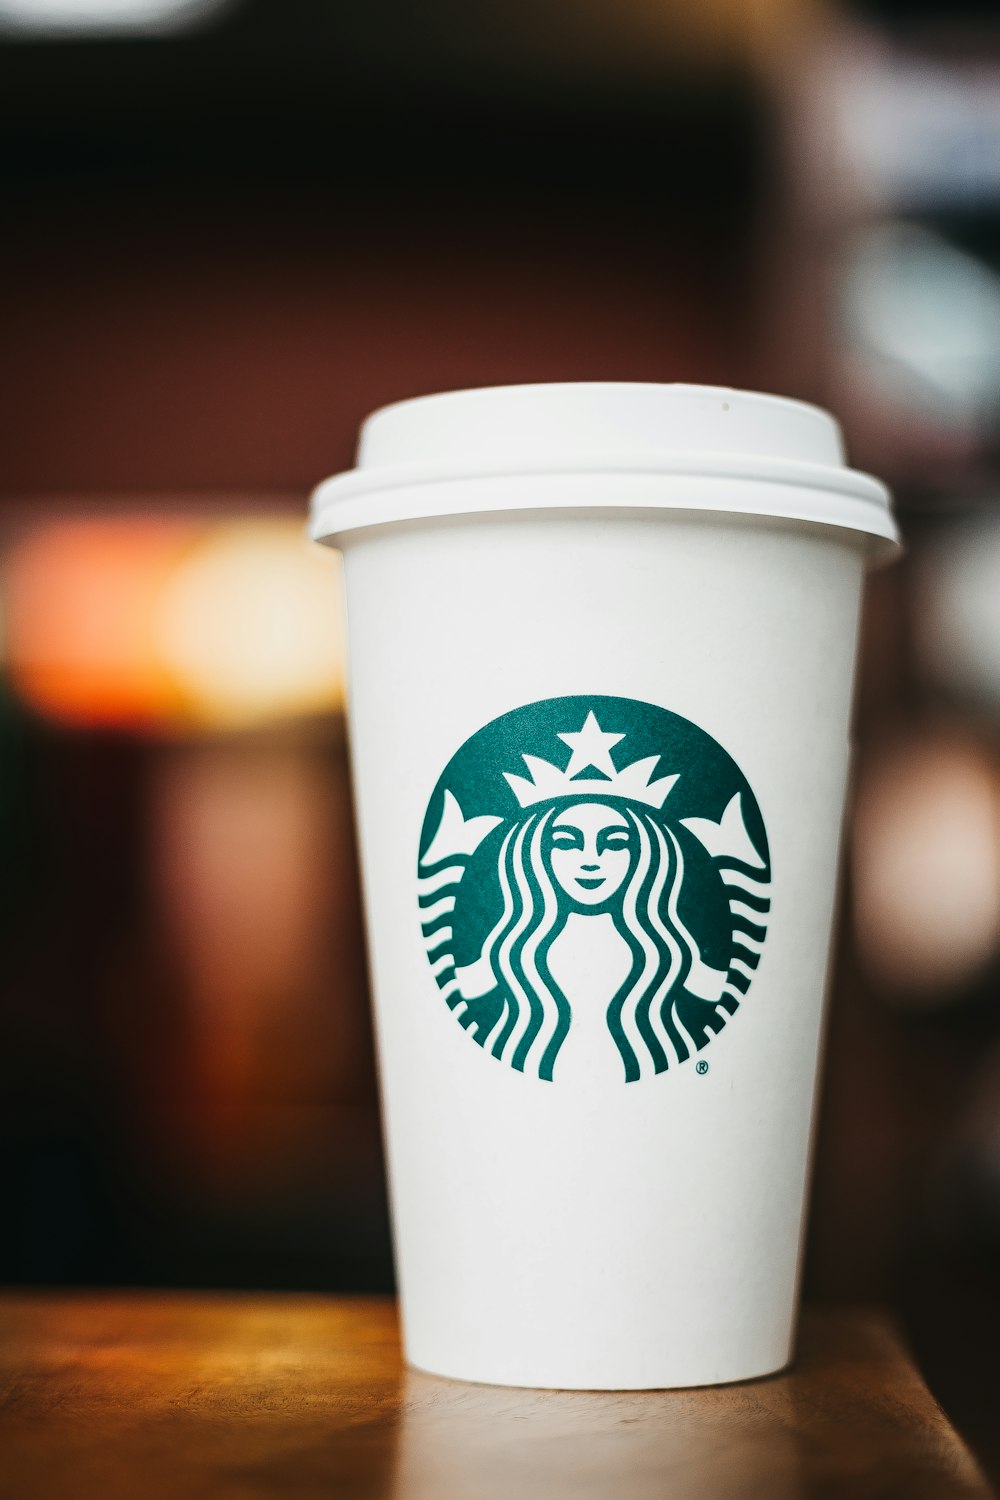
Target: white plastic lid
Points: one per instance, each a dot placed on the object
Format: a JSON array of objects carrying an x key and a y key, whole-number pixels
[{"x": 794, "y": 452}]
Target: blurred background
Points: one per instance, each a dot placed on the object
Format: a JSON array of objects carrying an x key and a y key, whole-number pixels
[{"x": 236, "y": 226}]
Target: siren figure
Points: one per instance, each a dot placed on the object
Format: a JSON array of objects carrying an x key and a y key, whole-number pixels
[{"x": 590, "y": 866}]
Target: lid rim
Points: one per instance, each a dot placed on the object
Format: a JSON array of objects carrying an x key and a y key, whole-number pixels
[
  {"x": 863, "y": 511},
  {"x": 677, "y": 463}
]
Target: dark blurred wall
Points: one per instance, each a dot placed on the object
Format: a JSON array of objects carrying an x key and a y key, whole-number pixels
[{"x": 225, "y": 248}]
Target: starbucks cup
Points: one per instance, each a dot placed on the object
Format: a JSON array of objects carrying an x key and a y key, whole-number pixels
[{"x": 602, "y": 642}]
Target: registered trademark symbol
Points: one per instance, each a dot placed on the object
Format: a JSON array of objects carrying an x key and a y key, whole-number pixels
[{"x": 701, "y": 1067}]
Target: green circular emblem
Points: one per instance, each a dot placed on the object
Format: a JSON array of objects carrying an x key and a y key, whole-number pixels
[{"x": 593, "y": 887}]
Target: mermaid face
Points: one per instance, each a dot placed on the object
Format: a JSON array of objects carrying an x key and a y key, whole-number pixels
[{"x": 590, "y": 849}]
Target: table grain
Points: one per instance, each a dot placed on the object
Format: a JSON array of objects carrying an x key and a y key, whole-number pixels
[{"x": 149, "y": 1395}]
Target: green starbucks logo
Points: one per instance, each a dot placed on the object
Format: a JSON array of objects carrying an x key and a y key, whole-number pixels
[{"x": 593, "y": 887}]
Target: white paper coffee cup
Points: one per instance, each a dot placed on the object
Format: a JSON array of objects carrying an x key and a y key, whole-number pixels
[{"x": 602, "y": 643}]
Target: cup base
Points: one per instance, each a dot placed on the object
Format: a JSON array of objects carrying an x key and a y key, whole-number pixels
[{"x": 752, "y": 1371}]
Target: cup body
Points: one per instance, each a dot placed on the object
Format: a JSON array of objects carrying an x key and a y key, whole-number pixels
[{"x": 611, "y": 1195}]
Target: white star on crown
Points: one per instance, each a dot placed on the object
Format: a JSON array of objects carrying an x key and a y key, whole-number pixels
[{"x": 591, "y": 747}]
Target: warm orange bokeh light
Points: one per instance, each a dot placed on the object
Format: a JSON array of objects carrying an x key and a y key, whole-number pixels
[
  {"x": 250, "y": 626},
  {"x": 80, "y": 605},
  {"x": 160, "y": 623}
]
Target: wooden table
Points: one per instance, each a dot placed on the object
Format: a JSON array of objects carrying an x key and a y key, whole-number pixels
[{"x": 186, "y": 1396}]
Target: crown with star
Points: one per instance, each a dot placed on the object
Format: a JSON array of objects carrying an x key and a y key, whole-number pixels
[{"x": 591, "y": 751}]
